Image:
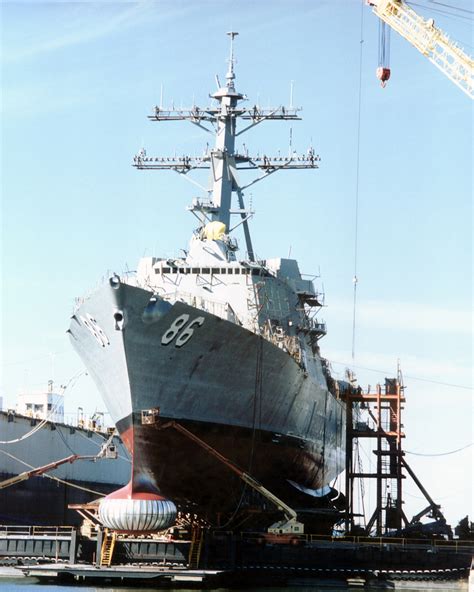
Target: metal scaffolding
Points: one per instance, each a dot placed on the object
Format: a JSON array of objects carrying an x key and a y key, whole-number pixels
[
  {"x": 377, "y": 415},
  {"x": 383, "y": 407}
]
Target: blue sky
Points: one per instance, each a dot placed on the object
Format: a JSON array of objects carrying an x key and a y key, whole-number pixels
[{"x": 79, "y": 79}]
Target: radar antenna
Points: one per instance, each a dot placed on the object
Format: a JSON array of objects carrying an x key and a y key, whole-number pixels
[
  {"x": 224, "y": 160},
  {"x": 230, "y": 74}
]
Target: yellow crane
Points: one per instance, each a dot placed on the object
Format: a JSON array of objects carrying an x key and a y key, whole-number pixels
[{"x": 429, "y": 40}]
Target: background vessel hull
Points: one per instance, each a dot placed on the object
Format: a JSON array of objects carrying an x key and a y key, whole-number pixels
[{"x": 41, "y": 500}]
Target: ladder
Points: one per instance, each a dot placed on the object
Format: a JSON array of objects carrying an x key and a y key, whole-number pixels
[
  {"x": 197, "y": 536},
  {"x": 107, "y": 550}
]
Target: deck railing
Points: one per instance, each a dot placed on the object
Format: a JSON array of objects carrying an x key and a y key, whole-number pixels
[{"x": 403, "y": 542}]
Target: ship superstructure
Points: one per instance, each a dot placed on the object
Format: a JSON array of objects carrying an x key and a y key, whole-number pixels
[
  {"x": 269, "y": 297},
  {"x": 226, "y": 345}
]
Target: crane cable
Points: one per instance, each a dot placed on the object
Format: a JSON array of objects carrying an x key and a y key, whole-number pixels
[
  {"x": 256, "y": 413},
  {"x": 440, "y": 453},
  {"x": 356, "y": 214},
  {"x": 384, "y": 44},
  {"x": 411, "y": 377}
]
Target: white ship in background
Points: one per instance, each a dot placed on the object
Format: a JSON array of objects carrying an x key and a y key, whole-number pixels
[{"x": 36, "y": 434}]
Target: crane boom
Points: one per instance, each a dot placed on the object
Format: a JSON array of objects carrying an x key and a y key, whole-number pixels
[
  {"x": 429, "y": 40},
  {"x": 43, "y": 469}
]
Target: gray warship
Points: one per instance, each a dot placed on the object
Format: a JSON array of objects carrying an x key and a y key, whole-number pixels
[{"x": 225, "y": 344}]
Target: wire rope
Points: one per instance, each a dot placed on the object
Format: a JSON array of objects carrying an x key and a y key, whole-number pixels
[
  {"x": 431, "y": 6},
  {"x": 61, "y": 435},
  {"x": 378, "y": 371},
  {"x": 356, "y": 212},
  {"x": 323, "y": 451},
  {"x": 452, "y": 17},
  {"x": 256, "y": 412},
  {"x": 440, "y": 453},
  {"x": 74, "y": 485},
  {"x": 68, "y": 483},
  {"x": 27, "y": 435},
  {"x": 452, "y": 6},
  {"x": 361, "y": 483},
  {"x": 384, "y": 44}
]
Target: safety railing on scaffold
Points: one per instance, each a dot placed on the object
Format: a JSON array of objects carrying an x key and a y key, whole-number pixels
[
  {"x": 454, "y": 545},
  {"x": 35, "y": 531}
]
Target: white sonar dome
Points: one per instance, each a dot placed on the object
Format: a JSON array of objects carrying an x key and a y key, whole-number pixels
[{"x": 138, "y": 515}]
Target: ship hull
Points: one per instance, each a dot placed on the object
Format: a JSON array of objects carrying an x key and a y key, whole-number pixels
[
  {"x": 42, "y": 500},
  {"x": 242, "y": 395},
  {"x": 190, "y": 475}
]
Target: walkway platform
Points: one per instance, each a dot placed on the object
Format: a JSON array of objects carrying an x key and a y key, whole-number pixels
[
  {"x": 123, "y": 573},
  {"x": 163, "y": 576}
]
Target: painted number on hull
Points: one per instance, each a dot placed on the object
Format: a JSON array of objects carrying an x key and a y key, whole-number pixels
[
  {"x": 95, "y": 330},
  {"x": 178, "y": 328}
]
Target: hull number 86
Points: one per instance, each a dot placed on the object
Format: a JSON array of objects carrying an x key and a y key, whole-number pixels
[{"x": 181, "y": 330}]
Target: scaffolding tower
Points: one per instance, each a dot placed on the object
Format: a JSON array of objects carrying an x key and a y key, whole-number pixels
[
  {"x": 377, "y": 415},
  {"x": 384, "y": 425}
]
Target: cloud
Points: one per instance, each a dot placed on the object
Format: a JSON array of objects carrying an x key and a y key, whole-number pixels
[{"x": 85, "y": 26}]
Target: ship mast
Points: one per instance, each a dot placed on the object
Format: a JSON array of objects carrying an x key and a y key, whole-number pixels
[
  {"x": 223, "y": 161},
  {"x": 223, "y": 155}
]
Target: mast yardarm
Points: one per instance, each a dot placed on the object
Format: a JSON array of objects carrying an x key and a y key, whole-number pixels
[{"x": 223, "y": 160}]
